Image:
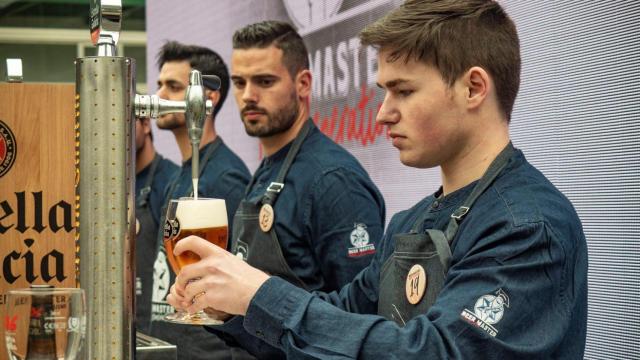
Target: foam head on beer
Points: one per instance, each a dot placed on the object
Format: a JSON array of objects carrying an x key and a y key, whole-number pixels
[
  {"x": 201, "y": 213},
  {"x": 206, "y": 218}
]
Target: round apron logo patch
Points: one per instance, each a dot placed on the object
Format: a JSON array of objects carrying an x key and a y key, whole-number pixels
[
  {"x": 266, "y": 217},
  {"x": 416, "y": 284},
  {"x": 8, "y": 148}
]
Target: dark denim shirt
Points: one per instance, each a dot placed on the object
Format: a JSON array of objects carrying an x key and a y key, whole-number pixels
[
  {"x": 522, "y": 238},
  {"x": 326, "y": 196},
  {"x": 165, "y": 170}
]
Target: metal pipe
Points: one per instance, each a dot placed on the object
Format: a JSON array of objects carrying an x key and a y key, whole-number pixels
[{"x": 105, "y": 92}]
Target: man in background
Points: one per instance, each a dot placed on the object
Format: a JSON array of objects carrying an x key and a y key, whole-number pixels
[
  {"x": 311, "y": 215},
  {"x": 153, "y": 173},
  {"x": 223, "y": 175}
]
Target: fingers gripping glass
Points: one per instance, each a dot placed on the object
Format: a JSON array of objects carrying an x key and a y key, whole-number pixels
[
  {"x": 45, "y": 323},
  {"x": 205, "y": 218}
]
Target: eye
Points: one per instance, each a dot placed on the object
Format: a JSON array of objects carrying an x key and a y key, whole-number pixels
[
  {"x": 265, "y": 82},
  {"x": 238, "y": 83},
  {"x": 404, "y": 92}
]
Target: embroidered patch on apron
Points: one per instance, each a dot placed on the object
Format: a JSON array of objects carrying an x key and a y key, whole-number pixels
[{"x": 242, "y": 250}]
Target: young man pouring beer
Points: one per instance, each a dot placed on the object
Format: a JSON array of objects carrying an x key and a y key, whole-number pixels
[{"x": 492, "y": 265}]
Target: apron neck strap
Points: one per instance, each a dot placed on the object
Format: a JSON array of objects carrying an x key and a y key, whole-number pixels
[
  {"x": 146, "y": 189},
  {"x": 274, "y": 189},
  {"x": 496, "y": 167}
]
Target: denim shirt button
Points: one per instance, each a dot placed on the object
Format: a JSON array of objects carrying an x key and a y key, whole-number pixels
[
  {"x": 259, "y": 333},
  {"x": 435, "y": 204}
]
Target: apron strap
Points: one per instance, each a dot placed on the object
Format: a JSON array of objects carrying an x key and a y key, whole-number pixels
[
  {"x": 274, "y": 189},
  {"x": 146, "y": 189},
  {"x": 496, "y": 167}
]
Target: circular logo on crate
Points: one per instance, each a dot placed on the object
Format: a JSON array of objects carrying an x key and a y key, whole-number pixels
[{"x": 8, "y": 148}]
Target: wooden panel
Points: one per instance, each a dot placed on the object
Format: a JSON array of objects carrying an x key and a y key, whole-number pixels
[{"x": 37, "y": 193}]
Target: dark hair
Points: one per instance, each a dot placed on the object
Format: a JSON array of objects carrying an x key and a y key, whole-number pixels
[
  {"x": 453, "y": 36},
  {"x": 280, "y": 34},
  {"x": 200, "y": 58}
]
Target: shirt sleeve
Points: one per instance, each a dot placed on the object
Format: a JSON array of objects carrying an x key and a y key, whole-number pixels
[
  {"x": 526, "y": 264},
  {"x": 360, "y": 295},
  {"x": 344, "y": 219}
]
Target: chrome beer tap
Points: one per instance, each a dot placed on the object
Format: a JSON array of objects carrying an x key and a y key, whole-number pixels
[{"x": 194, "y": 106}]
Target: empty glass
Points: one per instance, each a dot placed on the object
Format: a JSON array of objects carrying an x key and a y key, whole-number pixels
[{"x": 45, "y": 323}]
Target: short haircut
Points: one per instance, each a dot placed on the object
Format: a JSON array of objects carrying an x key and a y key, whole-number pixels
[
  {"x": 453, "y": 36},
  {"x": 203, "y": 59},
  {"x": 280, "y": 34}
]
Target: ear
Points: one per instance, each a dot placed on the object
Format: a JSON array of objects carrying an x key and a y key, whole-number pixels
[
  {"x": 214, "y": 96},
  {"x": 478, "y": 86},
  {"x": 146, "y": 125},
  {"x": 303, "y": 83}
]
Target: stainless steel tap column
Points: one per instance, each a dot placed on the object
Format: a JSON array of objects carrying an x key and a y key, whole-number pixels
[{"x": 105, "y": 91}]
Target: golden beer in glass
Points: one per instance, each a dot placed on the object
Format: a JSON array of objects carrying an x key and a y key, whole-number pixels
[{"x": 205, "y": 218}]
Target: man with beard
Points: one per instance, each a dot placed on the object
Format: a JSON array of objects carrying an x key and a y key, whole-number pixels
[
  {"x": 311, "y": 215},
  {"x": 223, "y": 175},
  {"x": 153, "y": 173},
  {"x": 492, "y": 265}
]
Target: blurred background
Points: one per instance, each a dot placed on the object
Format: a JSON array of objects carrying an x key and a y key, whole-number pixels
[{"x": 48, "y": 35}]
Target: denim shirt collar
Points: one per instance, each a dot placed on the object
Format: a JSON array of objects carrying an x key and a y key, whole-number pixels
[
  {"x": 453, "y": 199},
  {"x": 281, "y": 154}
]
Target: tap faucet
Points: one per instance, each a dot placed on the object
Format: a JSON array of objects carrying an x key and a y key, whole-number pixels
[
  {"x": 152, "y": 106},
  {"x": 195, "y": 107}
]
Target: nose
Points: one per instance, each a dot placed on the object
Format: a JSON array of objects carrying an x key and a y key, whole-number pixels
[
  {"x": 388, "y": 113},
  {"x": 161, "y": 92},
  {"x": 249, "y": 94}
]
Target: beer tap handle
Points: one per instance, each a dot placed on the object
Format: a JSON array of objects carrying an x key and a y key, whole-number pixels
[
  {"x": 105, "y": 23},
  {"x": 211, "y": 82},
  {"x": 195, "y": 111}
]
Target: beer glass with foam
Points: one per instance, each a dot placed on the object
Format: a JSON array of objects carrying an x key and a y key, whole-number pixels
[{"x": 206, "y": 218}]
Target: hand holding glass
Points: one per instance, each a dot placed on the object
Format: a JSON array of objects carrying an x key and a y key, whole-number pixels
[{"x": 206, "y": 218}]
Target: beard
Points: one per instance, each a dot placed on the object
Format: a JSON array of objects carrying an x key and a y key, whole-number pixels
[
  {"x": 278, "y": 121},
  {"x": 170, "y": 121}
]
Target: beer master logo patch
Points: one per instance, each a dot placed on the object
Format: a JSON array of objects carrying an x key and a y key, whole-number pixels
[
  {"x": 360, "y": 240},
  {"x": 8, "y": 149},
  {"x": 487, "y": 311}
]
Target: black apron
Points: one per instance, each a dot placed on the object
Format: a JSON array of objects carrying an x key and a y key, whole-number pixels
[
  {"x": 145, "y": 250},
  {"x": 261, "y": 249},
  {"x": 414, "y": 274}
]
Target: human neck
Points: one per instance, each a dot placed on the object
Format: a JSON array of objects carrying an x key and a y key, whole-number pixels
[
  {"x": 184, "y": 143},
  {"x": 145, "y": 156},
  {"x": 473, "y": 160},
  {"x": 271, "y": 144}
]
